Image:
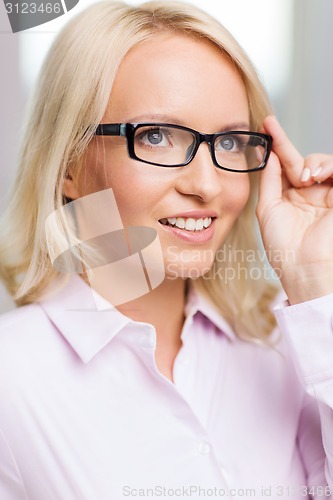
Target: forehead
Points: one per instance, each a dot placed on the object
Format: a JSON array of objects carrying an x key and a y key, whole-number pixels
[{"x": 178, "y": 76}]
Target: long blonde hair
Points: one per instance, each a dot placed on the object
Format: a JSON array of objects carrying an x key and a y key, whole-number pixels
[{"x": 69, "y": 101}]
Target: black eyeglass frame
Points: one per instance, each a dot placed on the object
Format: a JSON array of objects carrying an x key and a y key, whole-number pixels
[{"x": 128, "y": 130}]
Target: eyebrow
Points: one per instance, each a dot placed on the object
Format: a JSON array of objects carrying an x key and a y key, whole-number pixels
[
  {"x": 173, "y": 120},
  {"x": 236, "y": 126},
  {"x": 157, "y": 118}
]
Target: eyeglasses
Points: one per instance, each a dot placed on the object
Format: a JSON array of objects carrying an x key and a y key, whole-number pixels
[{"x": 167, "y": 145}]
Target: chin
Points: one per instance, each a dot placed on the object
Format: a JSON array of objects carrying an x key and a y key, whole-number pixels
[{"x": 188, "y": 262}]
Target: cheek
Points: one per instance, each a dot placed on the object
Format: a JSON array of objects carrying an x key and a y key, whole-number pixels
[
  {"x": 102, "y": 170},
  {"x": 137, "y": 189},
  {"x": 235, "y": 194}
]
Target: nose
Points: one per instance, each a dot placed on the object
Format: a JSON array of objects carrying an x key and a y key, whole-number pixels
[{"x": 200, "y": 177}]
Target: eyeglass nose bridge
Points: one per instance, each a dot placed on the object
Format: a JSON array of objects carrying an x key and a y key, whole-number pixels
[{"x": 199, "y": 139}]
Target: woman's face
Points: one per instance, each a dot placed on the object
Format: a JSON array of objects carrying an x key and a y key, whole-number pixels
[{"x": 178, "y": 80}]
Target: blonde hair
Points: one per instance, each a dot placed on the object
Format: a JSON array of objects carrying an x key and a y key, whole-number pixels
[{"x": 69, "y": 101}]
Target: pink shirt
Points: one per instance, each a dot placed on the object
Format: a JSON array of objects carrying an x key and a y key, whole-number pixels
[{"x": 86, "y": 415}]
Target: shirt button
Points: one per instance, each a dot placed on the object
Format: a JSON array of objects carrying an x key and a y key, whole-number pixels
[{"x": 203, "y": 448}]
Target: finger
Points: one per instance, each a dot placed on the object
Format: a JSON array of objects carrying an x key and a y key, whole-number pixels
[
  {"x": 291, "y": 160},
  {"x": 270, "y": 184},
  {"x": 320, "y": 166}
]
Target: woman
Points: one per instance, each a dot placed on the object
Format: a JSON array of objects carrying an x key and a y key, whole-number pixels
[{"x": 185, "y": 387}]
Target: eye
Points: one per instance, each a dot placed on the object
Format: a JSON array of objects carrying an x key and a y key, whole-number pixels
[
  {"x": 153, "y": 137},
  {"x": 236, "y": 143},
  {"x": 226, "y": 143}
]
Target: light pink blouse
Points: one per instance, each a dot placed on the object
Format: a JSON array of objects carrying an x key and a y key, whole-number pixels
[{"x": 86, "y": 415}]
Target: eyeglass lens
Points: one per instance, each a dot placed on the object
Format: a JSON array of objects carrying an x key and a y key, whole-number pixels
[{"x": 173, "y": 146}]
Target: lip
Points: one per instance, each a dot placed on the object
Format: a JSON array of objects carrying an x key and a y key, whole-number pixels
[{"x": 195, "y": 237}]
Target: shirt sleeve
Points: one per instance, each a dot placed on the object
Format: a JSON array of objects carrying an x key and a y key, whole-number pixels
[
  {"x": 11, "y": 485},
  {"x": 308, "y": 328}
]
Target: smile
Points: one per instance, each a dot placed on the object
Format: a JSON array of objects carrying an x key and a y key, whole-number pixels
[{"x": 189, "y": 224}]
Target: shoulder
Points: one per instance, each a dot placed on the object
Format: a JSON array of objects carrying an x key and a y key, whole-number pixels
[
  {"x": 17, "y": 314},
  {"x": 28, "y": 318},
  {"x": 26, "y": 337},
  {"x": 32, "y": 320}
]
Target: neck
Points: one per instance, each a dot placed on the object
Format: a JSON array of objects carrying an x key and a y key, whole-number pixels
[{"x": 163, "y": 307}]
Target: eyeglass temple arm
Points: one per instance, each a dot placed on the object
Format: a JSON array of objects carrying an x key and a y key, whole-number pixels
[{"x": 111, "y": 129}]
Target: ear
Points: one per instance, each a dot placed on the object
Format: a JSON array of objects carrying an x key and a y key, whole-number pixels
[{"x": 70, "y": 188}]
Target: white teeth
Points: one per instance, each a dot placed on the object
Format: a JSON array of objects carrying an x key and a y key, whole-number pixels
[
  {"x": 189, "y": 224},
  {"x": 180, "y": 222},
  {"x": 207, "y": 221}
]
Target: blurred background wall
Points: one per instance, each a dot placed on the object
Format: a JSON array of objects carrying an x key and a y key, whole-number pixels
[{"x": 290, "y": 42}]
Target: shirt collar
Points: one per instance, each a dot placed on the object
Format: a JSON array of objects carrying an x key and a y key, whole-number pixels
[
  {"x": 72, "y": 309},
  {"x": 198, "y": 302}
]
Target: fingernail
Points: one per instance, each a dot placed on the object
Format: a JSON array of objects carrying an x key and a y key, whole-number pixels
[
  {"x": 317, "y": 172},
  {"x": 306, "y": 174}
]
